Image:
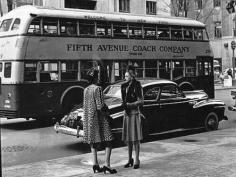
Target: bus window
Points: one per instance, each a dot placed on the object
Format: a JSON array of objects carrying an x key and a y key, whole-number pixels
[
  {"x": 176, "y": 33},
  {"x": 50, "y": 26},
  {"x": 16, "y": 24},
  {"x": 120, "y": 69},
  {"x": 190, "y": 68},
  {"x": 163, "y": 32},
  {"x": 49, "y": 72},
  {"x": 150, "y": 32},
  {"x": 68, "y": 27},
  {"x": 138, "y": 67},
  {"x": 104, "y": 29},
  {"x": 198, "y": 34},
  {"x": 7, "y": 70},
  {"x": 178, "y": 69},
  {"x": 5, "y": 25},
  {"x": 34, "y": 27},
  {"x": 69, "y": 70},
  {"x": 86, "y": 27},
  {"x": 151, "y": 68},
  {"x": 188, "y": 34},
  {"x": 135, "y": 31},
  {"x": 120, "y": 30},
  {"x": 0, "y": 66},
  {"x": 30, "y": 71},
  {"x": 164, "y": 69}
]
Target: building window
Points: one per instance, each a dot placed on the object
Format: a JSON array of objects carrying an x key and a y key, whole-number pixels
[
  {"x": 124, "y": 5},
  {"x": 218, "y": 29},
  {"x": 216, "y": 3},
  {"x": 151, "y": 8},
  {"x": 81, "y": 4},
  {"x": 198, "y": 4}
]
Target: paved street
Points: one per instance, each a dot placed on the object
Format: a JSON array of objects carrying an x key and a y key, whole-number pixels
[
  {"x": 30, "y": 141},
  {"x": 208, "y": 154}
]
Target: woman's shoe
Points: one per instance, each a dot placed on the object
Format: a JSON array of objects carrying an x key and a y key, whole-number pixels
[
  {"x": 136, "y": 166},
  {"x": 129, "y": 164},
  {"x": 96, "y": 168},
  {"x": 112, "y": 171}
]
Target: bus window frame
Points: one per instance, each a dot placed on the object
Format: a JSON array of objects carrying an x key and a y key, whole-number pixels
[
  {"x": 47, "y": 31},
  {"x": 10, "y": 24},
  {"x": 86, "y": 33},
  {"x": 69, "y": 23},
  {"x": 103, "y": 24},
  {"x": 35, "y": 30},
  {"x": 150, "y": 26},
  {"x": 7, "y": 74},
  {"x": 31, "y": 71},
  {"x": 117, "y": 32},
  {"x": 13, "y": 28},
  {"x": 68, "y": 71},
  {"x": 133, "y": 25},
  {"x": 48, "y": 73},
  {"x": 167, "y": 29}
]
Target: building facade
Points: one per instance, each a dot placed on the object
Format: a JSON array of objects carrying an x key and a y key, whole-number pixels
[
  {"x": 220, "y": 25},
  {"x": 139, "y": 7}
]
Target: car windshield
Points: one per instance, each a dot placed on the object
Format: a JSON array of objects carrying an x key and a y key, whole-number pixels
[{"x": 113, "y": 91}]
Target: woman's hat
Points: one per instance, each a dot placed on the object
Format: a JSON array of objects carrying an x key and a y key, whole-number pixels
[{"x": 92, "y": 73}]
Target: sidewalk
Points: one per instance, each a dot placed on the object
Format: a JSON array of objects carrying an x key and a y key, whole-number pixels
[
  {"x": 208, "y": 154},
  {"x": 219, "y": 86}
]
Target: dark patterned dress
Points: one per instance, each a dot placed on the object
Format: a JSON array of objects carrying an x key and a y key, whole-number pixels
[{"x": 96, "y": 127}]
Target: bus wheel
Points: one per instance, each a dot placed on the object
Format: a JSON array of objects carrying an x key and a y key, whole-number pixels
[
  {"x": 186, "y": 87},
  {"x": 211, "y": 121}
]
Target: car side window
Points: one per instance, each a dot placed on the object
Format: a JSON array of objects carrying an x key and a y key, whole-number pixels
[
  {"x": 169, "y": 91},
  {"x": 152, "y": 93}
]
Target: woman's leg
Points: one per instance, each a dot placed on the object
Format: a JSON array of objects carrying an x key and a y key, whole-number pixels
[
  {"x": 137, "y": 150},
  {"x": 108, "y": 153},
  {"x": 130, "y": 150},
  {"x": 94, "y": 154}
]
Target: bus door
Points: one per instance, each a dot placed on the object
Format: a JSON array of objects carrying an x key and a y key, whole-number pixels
[{"x": 205, "y": 74}]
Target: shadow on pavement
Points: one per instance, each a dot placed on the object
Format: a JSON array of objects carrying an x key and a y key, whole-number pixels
[{"x": 25, "y": 124}]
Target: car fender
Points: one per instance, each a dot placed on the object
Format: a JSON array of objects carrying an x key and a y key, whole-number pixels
[{"x": 209, "y": 103}]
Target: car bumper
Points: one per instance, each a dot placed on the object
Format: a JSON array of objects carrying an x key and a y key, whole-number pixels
[{"x": 68, "y": 131}]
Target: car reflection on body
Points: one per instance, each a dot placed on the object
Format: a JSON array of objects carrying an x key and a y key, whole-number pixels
[{"x": 165, "y": 108}]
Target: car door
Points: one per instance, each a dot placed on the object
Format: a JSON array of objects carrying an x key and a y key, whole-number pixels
[
  {"x": 150, "y": 107},
  {"x": 173, "y": 107}
]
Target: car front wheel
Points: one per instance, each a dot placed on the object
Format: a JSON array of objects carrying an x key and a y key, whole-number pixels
[{"x": 211, "y": 121}]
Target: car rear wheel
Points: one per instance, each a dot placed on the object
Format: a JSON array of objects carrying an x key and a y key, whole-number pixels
[{"x": 211, "y": 121}]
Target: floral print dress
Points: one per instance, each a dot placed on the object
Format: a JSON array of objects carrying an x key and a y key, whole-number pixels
[{"x": 96, "y": 127}]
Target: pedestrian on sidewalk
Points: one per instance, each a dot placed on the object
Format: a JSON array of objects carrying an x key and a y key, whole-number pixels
[
  {"x": 132, "y": 97},
  {"x": 96, "y": 124}
]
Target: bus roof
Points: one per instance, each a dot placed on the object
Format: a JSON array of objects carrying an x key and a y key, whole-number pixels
[{"x": 34, "y": 11}]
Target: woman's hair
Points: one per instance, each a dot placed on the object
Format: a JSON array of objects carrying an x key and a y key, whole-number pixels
[
  {"x": 131, "y": 70},
  {"x": 92, "y": 75}
]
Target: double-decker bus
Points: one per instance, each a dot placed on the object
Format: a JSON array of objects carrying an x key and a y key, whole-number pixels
[{"x": 46, "y": 52}]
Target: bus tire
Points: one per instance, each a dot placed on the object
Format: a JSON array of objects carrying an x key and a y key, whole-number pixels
[
  {"x": 186, "y": 86},
  {"x": 211, "y": 121},
  {"x": 73, "y": 99}
]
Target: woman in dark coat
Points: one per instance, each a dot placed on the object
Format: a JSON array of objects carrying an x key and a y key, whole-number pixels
[
  {"x": 132, "y": 97},
  {"x": 96, "y": 126}
]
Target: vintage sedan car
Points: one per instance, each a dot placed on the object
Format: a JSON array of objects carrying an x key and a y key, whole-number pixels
[{"x": 165, "y": 108}]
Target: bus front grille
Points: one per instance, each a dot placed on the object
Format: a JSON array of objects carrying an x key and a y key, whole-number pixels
[{"x": 8, "y": 114}]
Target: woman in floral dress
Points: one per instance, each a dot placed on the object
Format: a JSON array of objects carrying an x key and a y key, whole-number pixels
[{"x": 96, "y": 126}]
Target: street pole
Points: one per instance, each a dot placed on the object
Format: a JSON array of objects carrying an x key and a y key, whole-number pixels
[
  {"x": 233, "y": 46},
  {"x": 233, "y": 64}
]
